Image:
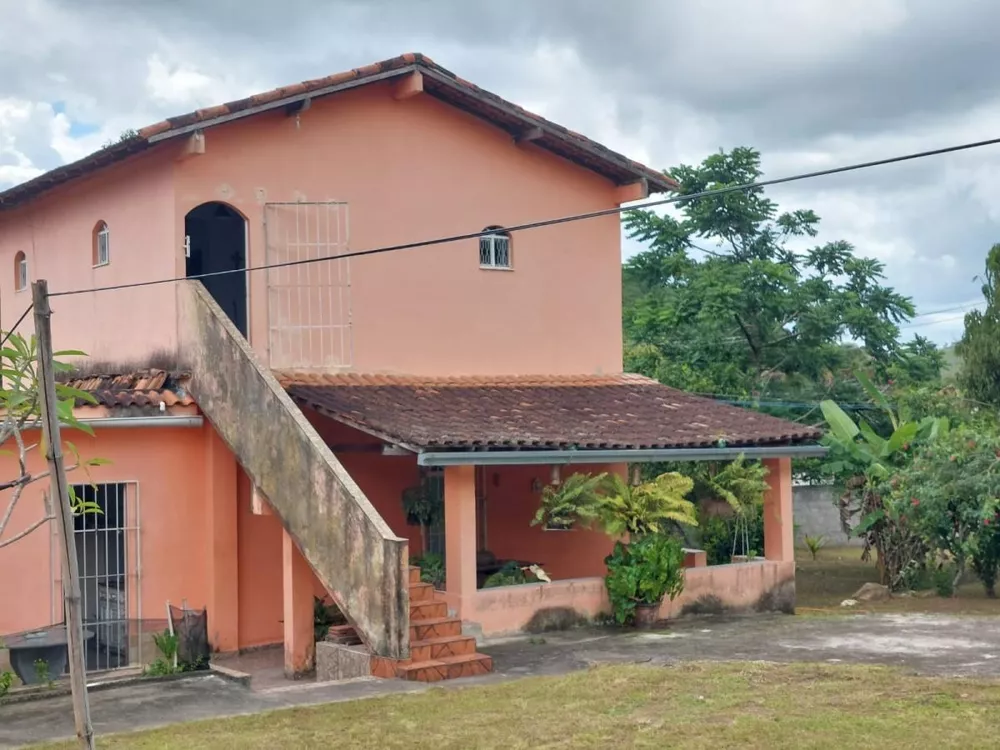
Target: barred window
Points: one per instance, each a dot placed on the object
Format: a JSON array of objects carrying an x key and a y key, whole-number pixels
[
  {"x": 102, "y": 244},
  {"x": 494, "y": 248}
]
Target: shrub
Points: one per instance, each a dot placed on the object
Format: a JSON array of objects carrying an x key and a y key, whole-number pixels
[
  {"x": 986, "y": 555},
  {"x": 814, "y": 544},
  {"x": 6, "y": 682},
  {"x": 721, "y": 539},
  {"x": 432, "y": 569},
  {"x": 944, "y": 579},
  {"x": 948, "y": 496},
  {"x": 644, "y": 571}
]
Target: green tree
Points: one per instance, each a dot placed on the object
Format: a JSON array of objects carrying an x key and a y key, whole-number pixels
[
  {"x": 979, "y": 347},
  {"x": 729, "y": 298}
]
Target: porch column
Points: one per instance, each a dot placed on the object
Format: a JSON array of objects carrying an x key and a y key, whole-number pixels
[
  {"x": 297, "y": 592},
  {"x": 460, "y": 536},
  {"x": 223, "y": 510},
  {"x": 779, "y": 533}
]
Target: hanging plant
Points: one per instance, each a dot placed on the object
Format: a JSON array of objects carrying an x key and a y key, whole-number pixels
[{"x": 423, "y": 508}]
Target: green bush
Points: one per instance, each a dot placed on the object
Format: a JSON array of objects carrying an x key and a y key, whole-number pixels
[
  {"x": 944, "y": 580},
  {"x": 720, "y": 540},
  {"x": 6, "y": 682},
  {"x": 986, "y": 555},
  {"x": 644, "y": 571},
  {"x": 432, "y": 569}
]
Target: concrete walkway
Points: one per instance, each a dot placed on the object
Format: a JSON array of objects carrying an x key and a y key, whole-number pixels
[{"x": 930, "y": 645}]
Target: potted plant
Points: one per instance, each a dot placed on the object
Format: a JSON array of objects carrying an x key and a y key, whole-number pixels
[{"x": 641, "y": 574}]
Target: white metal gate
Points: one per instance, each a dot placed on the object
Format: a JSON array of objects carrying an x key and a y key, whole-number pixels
[
  {"x": 309, "y": 298},
  {"x": 108, "y": 557}
]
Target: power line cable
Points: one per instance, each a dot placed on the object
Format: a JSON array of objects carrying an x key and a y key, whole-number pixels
[
  {"x": 20, "y": 320},
  {"x": 710, "y": 193}
]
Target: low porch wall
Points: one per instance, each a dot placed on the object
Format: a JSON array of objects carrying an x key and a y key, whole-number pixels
[{"x": 764, "y": 586}]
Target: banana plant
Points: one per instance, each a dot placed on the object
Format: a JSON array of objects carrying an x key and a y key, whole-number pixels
[{"x": 869, "y": 460}]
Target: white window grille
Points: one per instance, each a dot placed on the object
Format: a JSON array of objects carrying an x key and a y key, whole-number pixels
[
  {"x": 102, "y": 256},
  {"x": 494, "y": 248},
  {"x": 22, "y": 272}
]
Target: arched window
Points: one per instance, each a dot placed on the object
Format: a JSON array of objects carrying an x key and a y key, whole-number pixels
[
  {"x": 102, "y": 244},
  {"x": 494, "y": 248},
  {"x": 20, "y": 271}
]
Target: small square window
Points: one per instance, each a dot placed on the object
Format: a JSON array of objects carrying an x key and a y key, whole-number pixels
[{"x": 494, "y": 249}]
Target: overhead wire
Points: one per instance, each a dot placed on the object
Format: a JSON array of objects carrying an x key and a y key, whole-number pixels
[{"x": 673, "y": 200}]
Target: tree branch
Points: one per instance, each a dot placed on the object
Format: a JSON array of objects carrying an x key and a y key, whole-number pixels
[{"x": 34, "y": 527}]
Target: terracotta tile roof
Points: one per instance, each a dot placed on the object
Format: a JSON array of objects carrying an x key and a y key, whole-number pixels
[
  {"x": 600, "y": 411},
  {"x": 438, "y": 82},
  {"x": 142, "y": 388}
]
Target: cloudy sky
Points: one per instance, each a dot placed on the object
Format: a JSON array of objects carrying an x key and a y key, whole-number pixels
[{"x": 811, "y": 84}]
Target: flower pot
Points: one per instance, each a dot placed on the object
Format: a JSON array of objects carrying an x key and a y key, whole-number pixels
[{"x": 647, "y": 615}]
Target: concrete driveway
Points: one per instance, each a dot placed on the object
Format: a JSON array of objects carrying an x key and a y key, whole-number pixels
[{"x": 932, "y": 645}]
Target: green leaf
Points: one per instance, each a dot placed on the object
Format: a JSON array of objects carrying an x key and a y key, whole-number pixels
[
  {"x": 841, "y": 425},
  {"x": 69, "y": 353}
]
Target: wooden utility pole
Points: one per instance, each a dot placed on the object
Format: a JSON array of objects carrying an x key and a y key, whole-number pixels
[{"x": 59, "y": 492}]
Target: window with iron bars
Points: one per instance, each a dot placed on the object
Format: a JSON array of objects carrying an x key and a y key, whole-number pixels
[{"x": 494, "y": 248}]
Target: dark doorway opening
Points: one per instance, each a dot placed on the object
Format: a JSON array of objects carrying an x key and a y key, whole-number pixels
[{"x": 216, "y": 241}]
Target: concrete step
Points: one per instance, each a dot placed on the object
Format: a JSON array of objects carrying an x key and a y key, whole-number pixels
[{"x": 446, "y": 668}]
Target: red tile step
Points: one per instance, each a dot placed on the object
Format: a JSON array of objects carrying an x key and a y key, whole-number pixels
[
  {"x": 438, "y": 650},
  {"x": 446, "y": 668}
]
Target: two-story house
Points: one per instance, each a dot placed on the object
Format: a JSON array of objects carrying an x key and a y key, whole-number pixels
[{"x": 264, "y": 419}]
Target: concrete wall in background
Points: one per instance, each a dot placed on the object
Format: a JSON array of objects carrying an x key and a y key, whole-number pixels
[{"x": 816, "y": 514}]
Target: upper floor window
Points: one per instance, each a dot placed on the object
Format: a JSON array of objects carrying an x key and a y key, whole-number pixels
[
  {"x": 494, "y": 248},
  {"x": 20, "y": 271},
  {"x": 102, "y": 244}
]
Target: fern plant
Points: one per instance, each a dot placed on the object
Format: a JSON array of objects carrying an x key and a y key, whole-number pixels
[
  {"x": 574, "y": 500},
  {"x": 647, "y": 508}
]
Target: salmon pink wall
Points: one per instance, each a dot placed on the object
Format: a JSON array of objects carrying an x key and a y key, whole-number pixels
[
  {"x": 56, "y": 234},
  {"x": 419, "y": 169},
  {"x": 381, "y": 478},
  {"x": 511, "y": 505},
  {"x": 168, "y": 464}
]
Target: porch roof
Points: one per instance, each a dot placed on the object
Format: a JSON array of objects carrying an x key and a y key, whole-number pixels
[{"x": 539, "y": 413}]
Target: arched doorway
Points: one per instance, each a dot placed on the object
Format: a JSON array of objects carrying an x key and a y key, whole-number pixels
[{"x": 216, "y": 241}]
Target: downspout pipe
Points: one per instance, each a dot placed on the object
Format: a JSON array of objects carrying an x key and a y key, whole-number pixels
[{"x": 613, "y": 456}]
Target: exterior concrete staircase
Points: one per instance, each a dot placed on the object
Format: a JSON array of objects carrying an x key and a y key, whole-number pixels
[
  {"x": 438, "y": 650},
  {"x": 350, "y": 548}
]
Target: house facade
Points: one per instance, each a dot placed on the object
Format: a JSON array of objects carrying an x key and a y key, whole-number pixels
[{"x": 268, "y": 386}]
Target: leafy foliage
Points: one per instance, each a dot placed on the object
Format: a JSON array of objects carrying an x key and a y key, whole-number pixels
[
  {"x": 643, "y": 571},
  {"x": 646, "y": 508},
  {"x": 980, "y": 373},
  {"x": 814, "y": 544},
  {"x": 423, "y": 507},
  {"x": 432, "y": 569},
  {"x": 721, "y": 302},
  {"x": 618, "y": 507},
  {"x": 573, "y": 500},
  {"x": 513, "y": 574},
  {"x": 722, "y": 538},
  {"x": 20, "y": 406},
  {"x": 950, "y": 495},
  {"x": 867, "y": 460}
]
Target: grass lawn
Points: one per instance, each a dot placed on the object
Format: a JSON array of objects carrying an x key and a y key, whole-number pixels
[
  {"x": 748, "y": 705},
  {"x": 838, "y": 572}
]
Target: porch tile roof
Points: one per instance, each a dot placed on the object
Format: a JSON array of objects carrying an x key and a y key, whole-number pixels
[
  {"x": 141, "y": 388},
  {"x": 550, "y": 412}
]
